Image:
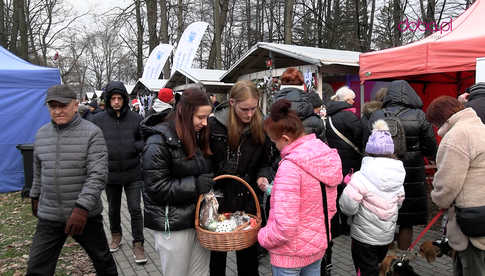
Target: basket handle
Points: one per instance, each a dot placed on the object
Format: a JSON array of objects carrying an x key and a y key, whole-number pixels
[{"x": 240, "y": 180}]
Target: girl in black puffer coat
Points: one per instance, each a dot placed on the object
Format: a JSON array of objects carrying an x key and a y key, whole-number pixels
[
  {"x": 240, "y": 148},
  {"x": 176, "y": 171},
  {"x": 402, "y": 101}
]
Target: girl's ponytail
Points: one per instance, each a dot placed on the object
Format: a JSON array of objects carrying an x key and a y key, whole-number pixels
[{"x": 283, "y": 120}]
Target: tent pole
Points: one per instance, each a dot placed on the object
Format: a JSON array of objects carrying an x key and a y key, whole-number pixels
[
  {"x": 320, "y": 82},
  {"x": 361, "y": 97}
]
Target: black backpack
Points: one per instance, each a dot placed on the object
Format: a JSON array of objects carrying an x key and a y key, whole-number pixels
[{"x": 397, "y": 132}]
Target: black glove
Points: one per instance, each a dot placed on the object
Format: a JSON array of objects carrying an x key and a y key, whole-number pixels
[
  {"x": 205, "y": 183},
  {"x": 35, "y": 206}
]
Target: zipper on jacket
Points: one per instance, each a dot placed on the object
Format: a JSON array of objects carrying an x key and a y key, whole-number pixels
[
  {"x": 118, "y": 130},
  {"x": 167, "y": 224},
  {"x": 56, "y": 183}
]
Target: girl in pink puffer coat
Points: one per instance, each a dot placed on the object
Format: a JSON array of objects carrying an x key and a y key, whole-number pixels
[{"x": 295, "y": 235}]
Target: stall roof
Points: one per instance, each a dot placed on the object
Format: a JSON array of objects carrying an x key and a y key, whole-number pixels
[
  {"x": 181, "y": 76},
  {"x": 285, "y": 55},
  {"x": 151, "y": 84},
  {"x": 182, "y": 79}
]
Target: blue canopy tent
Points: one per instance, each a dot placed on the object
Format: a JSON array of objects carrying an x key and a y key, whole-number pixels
[{"x": 23, "y": 87}]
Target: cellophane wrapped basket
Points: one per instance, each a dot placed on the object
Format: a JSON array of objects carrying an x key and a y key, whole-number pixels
[{"x": 229, "y": 241}]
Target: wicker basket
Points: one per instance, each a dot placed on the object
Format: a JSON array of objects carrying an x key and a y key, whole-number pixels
[{"x": 229, "y": 241}]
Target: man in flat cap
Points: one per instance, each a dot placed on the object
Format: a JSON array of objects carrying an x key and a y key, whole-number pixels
[{"x": 70, "y": 172}]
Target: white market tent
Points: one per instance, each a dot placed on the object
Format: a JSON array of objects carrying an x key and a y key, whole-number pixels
[
  {"x": 207, "y": 78},
  {"x": 129, "y": 88}
]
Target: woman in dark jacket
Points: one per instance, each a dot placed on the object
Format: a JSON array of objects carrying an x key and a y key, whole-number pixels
[
  {"x": 402, "y": 101},
  {"x": 292, "y": 89},
  {"x": 239, "y": 145},
  {"x": 342, "y": 114},
  {"x": 176, "y": 171}
]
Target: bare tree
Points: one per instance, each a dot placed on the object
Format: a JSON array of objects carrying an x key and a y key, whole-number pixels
[
  {"x": 3, "y": 29},
  {"x": 151, "y": 6},
  {"x": 220, "y": 16},
  {"x": 14, "y": 31},
  {"x": 164, "y": 38},
  {"x": 289, "y": 5},
  {"x": 71, "y": 63},
  {"x": 139, "y": 40},
  {"x": 180, "y": 19}
]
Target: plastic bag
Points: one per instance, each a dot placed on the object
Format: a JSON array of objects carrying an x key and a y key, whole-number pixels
[
  {"x": 208, "y": 211},
  {"x": 241, "y": 217}
]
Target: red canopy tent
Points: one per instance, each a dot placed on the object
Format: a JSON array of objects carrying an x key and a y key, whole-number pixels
[{"x": 440, "y": 64}]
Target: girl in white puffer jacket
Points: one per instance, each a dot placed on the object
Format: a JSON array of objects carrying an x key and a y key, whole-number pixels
[{"x": 372, "y": 199}]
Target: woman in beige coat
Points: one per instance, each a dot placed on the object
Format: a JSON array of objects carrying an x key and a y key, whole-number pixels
[{"x": 460, "y": 177}]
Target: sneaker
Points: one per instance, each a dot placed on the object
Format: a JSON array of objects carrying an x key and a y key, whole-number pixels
[
  {"x": 115, "y": 242},
  {"x": 139, "y": 253}
]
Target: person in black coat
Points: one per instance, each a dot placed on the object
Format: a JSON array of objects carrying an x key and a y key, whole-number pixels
[
  {"x": 292, "y": 89},
  {"x": 93, "y": 110},
  {"x": 122, "y": 133},
  {"x": 402, "y": 101},
  {"x": 240, "y": 148},
  {"x": 176, "y": 170},
  {"x": 475, "y": 98},
  {"x": 341, "y": 112}
]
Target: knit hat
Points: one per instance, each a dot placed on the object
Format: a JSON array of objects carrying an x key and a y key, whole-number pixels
[
  {"x": 380, "y": 141},
  {"x": 134, "y": 102},
  {"x": 165, "y": 95}
]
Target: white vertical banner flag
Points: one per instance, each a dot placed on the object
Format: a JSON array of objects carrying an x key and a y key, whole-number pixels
[
  {"x": 98, "y": 93},
  {"x": 308, "y": 79},
  {"x": 188, "y": 44},
  {"x": 157, "y": 59}
]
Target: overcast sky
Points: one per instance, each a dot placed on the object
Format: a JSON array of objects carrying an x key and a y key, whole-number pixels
[
  {"x": 92, "y": 8},
  {"x": 97, "y": 6}
]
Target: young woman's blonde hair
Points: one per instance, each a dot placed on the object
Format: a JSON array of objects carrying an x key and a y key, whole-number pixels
[
  {"x": 240, "y": 92},
  {"x": 342, "y": 94}
]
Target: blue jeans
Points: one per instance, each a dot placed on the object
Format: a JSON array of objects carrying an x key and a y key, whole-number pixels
[
  {"x": 133, "y": 198},
  {"x": 49, "y": 239},
  {"x": 309, "y": 270}
]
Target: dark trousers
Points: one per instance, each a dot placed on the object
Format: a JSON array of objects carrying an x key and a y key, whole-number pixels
[
  {"x": 326, "y": 263},
  {"x": 247, "y": 262},
  {"x": 367, "y": 257},
  {"x": 49, "y": 239},
  {"x": 133, "y": 198}
]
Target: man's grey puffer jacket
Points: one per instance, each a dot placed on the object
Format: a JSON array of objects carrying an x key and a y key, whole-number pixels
[{"x": 70, "y": 168}]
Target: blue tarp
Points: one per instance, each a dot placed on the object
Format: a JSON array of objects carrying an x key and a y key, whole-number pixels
[{"x": 23, "y": 87}]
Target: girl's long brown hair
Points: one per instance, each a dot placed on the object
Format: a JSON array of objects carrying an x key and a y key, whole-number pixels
[
  {"x": 240, "y": 92},
  {"x": 190, "y": 100}
]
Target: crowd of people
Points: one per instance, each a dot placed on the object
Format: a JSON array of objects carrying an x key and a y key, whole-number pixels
[{"x": 327, "y": 174}]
